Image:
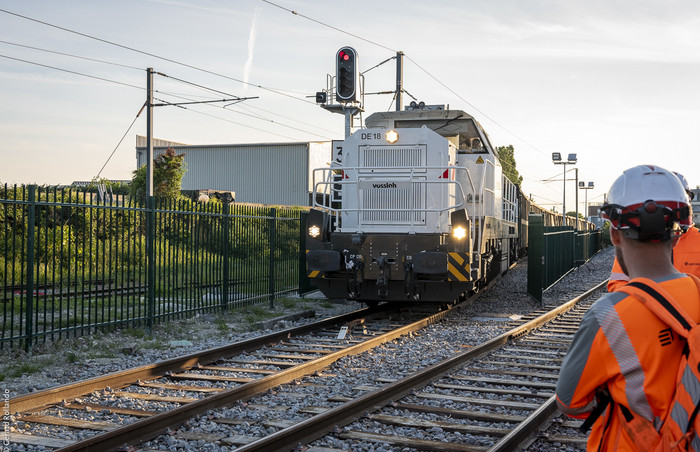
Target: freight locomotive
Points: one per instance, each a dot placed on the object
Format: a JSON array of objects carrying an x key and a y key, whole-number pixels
[{"x": 414, "y": 207}]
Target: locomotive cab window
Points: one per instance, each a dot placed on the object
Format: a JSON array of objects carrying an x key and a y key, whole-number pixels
[
  {"x": 464, "y": 129},
  {"x": 471, "y": 144}
]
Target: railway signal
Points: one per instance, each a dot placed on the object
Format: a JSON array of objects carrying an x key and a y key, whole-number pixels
[{"x": 347, "y": 76}]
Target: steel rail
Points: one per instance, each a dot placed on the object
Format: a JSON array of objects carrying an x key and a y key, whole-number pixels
[
  {"x": 322, "y": 424},
  {"x": 526, "y": 428},
  {"x": 40, "y": 399},
  {"x": 148, "y": 428}
]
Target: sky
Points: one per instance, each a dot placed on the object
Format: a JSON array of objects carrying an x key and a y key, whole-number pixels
[{"x": 615, "y": 82}]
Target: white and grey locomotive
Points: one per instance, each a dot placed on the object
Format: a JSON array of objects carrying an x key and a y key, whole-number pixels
[{"x": 414, "y": 207}]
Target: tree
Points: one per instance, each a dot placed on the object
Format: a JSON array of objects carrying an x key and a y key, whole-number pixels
[
  {"x": 168, "y": 169},
  {"x": 573, "y": 214},
  {"x": 506, "y": 154}
]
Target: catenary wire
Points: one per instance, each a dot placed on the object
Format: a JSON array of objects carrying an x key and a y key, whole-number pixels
[
  {"x": 196, "y": 85},
  {"x": 71, "y": 55},
  {"x": 132, "y": 49},
  {"x": 231, "y": 121},
  {"x": 252, "y": 116},
  {"x": 296, "y": 13},
  {"x": 72, "y": 72},
  {"x": 171, "y": 94},
  {"x": 247, "y": 107}
]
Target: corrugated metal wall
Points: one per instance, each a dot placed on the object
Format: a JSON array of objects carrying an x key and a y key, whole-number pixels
[{"x": 274, "y": 173}]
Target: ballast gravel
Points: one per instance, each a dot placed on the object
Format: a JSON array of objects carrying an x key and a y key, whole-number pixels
[{"x": 484, "y": 318}]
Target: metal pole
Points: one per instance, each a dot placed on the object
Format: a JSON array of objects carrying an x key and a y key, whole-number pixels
[
  {"x": 149, "y": 132},
  {"x": 29, "y": 312},
  {"x": 226, "y": 269},
  {"x": 563, "y": 203},
  {"x": 273, "y": 220},
  {"x": 399, "y": 81},
  {"x": 150, "y": 209},
  {"x": 348, "y": 120}
]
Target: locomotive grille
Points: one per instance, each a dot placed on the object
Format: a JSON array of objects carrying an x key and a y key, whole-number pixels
[
  {"x": 397, "y": 206},
  {"x": 404, "y": 204}
]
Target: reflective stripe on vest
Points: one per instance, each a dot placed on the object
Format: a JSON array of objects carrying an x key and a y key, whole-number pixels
[
  {"x": 619, "y": 277},
  {"x": 626, "y": 357},
  {"x": 679, "y": 415}
]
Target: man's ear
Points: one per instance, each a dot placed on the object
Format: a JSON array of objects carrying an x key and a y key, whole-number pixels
[{"x": 615, "y": 236}]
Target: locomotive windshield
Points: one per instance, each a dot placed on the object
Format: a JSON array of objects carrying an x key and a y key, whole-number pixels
[{"x": 463, "y": 132}]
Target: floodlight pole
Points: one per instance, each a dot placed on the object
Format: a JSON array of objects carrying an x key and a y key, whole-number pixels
[
  {"x": 557, "y": 160},
  {"x": 563, "y": 201}
]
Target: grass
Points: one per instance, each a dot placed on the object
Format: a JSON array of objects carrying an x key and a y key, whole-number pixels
[
  {"x": 221, "y": 324},
  {"x": 26, "y": 367},
  {"x": 256, "y": 313}
]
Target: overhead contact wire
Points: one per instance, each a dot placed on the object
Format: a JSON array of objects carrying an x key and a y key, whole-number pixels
[
  {"x": 72, "y": 72},
  {"x": 132, "y": 49},
  {"x": 296, "y": 13},
  {"x": 71, "y": 55}
]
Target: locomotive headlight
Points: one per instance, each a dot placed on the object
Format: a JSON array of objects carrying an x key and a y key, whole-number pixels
[
  {"x": 460, "y": 224},
  {"x": 314, "y": 231},
  {"x": 392, "y": 136}
]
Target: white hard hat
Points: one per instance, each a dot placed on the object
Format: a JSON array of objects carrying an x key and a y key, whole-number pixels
[{"x": 647, "y": 202}]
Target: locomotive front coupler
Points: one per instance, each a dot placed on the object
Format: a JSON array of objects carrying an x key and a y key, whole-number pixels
[{"x": 384, "y": 276}]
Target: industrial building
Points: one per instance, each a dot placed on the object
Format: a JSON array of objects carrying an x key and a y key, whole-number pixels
[{"x": 264, "y": 173}]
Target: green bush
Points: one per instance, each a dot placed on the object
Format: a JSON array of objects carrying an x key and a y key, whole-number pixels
[{"x": 605, "y": 235}]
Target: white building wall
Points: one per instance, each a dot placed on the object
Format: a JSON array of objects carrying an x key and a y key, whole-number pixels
[{"x": 269, "y": 173}]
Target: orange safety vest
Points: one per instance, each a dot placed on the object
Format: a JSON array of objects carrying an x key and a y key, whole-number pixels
[
  {"x": 686, "y": 259},
  {"x": 623, "y": 348}
]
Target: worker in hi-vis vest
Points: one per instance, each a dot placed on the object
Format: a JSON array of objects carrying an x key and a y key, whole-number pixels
[
  {"x": 620, "y": 359},
  {"x": 686, "y": 252}
]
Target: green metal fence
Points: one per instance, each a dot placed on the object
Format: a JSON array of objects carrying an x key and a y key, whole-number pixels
[
  {"x": 70, "y": 263},
  {"x": 553, "y": 251}
]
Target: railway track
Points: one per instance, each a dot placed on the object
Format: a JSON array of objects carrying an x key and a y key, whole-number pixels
[
  {"x": 496, "y": 395},
  {"x": 141, "y": 402}
]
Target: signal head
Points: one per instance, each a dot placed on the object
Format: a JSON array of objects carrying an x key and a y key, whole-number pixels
[{"x": 347, "y": 75}]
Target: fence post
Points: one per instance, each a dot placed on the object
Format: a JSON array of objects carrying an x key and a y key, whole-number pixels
[
  {"x": 150, "y": 262},
  {"x": 535, "y": 256},
  {"x": 273, "y": 215},
  {"x": 303, "y": 279},
  {"x": 29, "y": 308},
  {"x": 224, "y": 292}
]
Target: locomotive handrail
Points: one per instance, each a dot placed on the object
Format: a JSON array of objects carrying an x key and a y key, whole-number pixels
[{"x": 329, "y": 187}]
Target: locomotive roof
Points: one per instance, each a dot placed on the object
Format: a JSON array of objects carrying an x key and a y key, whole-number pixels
[{"x": 447, "y": 123}]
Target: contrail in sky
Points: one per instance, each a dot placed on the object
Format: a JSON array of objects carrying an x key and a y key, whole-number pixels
[{"x": 251, "y": 50}]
